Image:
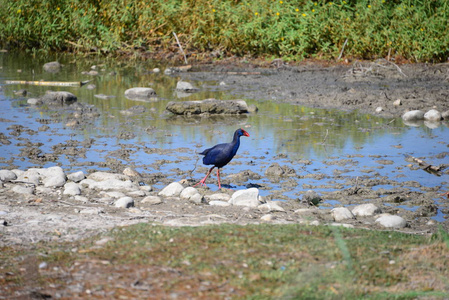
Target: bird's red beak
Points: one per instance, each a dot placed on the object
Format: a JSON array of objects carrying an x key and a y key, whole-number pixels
[{"x": 245, "y": 133}]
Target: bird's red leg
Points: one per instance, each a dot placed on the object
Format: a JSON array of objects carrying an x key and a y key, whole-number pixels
[
  {"x": 203, "y": 181},
  {"x": 218, "y": 175}
]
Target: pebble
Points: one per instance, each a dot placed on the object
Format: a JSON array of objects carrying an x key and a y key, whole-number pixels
[
  {"x": 249, "y": 197},
  {"x": 124, "y": 202},
  {"x": 391, "y": 221},
  {"x": 174, "y": 189},
  {"x": 341, "y": 213},
  {"x": 397, "y": 102},
  {"x": 364, "y": 210}
]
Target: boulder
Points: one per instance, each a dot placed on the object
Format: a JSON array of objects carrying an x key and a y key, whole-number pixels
[
  {"x": 364, "y": 210},
  {"x": 208, "y": 106},
  {"x": 433, "y": 115},
  {"x": 249, "y": 197},
  {"x": 52, "y": 67},
  {"x": 311, "y": 198},
  {"x": 7, "y": 175},
  {"x": 140, "y": 93},
  {"x": 341, "y": 213},
  {"x": 174, "y": 189},
  {"x": 390, "y": 221},
  {"x": 125, "y": 202},
  {"x": 275, "y": 170},
  {"x": 76, "y": 176},
  {"x": 413, "y": 115},
  {"x": 71, "y": 189},
  {"x": 58, "y": 98},
  {"x": 185, "y": 86}
]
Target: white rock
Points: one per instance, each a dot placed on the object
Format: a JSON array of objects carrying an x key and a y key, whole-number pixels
[
  {"x": 379, "y": 109},
  {"x": 81, "y": 198},
  {"x": 413, "y": 115},
  {"x": 218, "y": 197},
  {"x": 76, "y": 176},
  {"x": 342, "y": 225},
  {"x": 185, "y": 86},
  {"x": 188, "y": 192},
  {"x": 26, "y": 190},
  {"x": 196, "y": 198},
  {"x": 52, "y": 172},
  {"x": 174, "y": 189},
  {"x": 92, "y": 211},
  {"x": 54, "y": 181},
  {"x": 156, "y": 70},
  {"x": 113, "y": 194},
  {"x": 152, "y": 200},
  {"x": 249, "y": 197},
  {"x": 124, "y": 202},
  {"x": 7, "y": 175},
  {"x": 18, "y": 172},
  {"x": 364, "y": 210},
  {"x": 131, "y": 172},
  {"x": 102, "y": 176},
  {"x": 391, "y": 221},
  {"x": 341, "y": 213},
  {"x": 397, "y": 102},
  {"x": 71, "y": 189},
  {"x": 140, "y": 93},
  {"x": 45, "y": 190},
  {"x": 137, "y": 193},
  {"x": 219, "y": 203},
  {"x": 270, "y": 206},
  {"x": 110, "y": 184},
  {"x": 146, "y": 188},
  {"x": 267, "y": 218},
  {"x": 433, "y": 115}
]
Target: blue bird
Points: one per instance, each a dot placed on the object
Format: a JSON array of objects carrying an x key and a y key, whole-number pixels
[{"x": 220, "y": 155}]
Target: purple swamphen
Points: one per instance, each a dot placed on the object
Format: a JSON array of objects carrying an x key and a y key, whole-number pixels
[{"x": 220, "y": 155}]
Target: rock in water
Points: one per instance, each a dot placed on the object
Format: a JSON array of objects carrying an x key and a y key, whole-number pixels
[
  {"x": 140, "y": 93},
  {"x": 52, "y": 67},
  {"x": 208, "y": 106}
]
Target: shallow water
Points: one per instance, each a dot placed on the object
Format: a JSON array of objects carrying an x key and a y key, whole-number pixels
[{"x": 283, "y": 133}]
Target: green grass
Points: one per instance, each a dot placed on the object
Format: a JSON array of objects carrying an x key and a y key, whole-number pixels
[
  {"x": 245, "y": 262},
  {"x": 293, "y": 30}
]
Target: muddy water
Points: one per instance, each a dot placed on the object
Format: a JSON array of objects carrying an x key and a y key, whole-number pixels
[{"x": 325, "y": 150}]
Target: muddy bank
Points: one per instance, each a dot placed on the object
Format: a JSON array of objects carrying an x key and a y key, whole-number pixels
[
  {"x": 48, "y": 214},
  {"x": 364, "y": 86}
]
